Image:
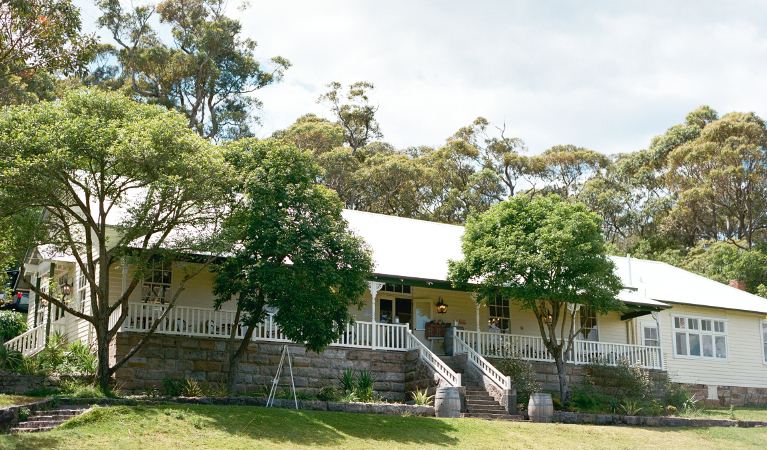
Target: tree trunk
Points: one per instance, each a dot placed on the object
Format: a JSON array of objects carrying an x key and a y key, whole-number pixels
[
  {"x": 564, "y": 388},
  {"x": 102, "y": 349},
  {"x": 235, "y": 357}
]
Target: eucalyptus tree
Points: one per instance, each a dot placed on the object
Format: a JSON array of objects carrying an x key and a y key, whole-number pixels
[
  {"x": 353, "y": 112},
  {"x": 545, "y": 255},
  {"x": 209, "y": 72},
  {"x": 119, "y": 183}
]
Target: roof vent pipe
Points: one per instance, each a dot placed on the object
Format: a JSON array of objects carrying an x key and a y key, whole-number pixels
[{"x": 628, "y": 260}]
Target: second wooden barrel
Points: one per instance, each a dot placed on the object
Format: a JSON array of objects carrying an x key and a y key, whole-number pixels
[
  {"x": 540, "y": 408},
  {"x": 447, "y": 402}
]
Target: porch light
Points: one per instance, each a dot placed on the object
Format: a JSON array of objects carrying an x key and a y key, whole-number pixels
[
  {"x": 441, "y": 307},
  {"x": 549, "y": 319},
  {"x": 66, "y": 289}
]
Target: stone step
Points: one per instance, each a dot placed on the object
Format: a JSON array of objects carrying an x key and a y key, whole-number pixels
[
  {"x": 48, "y": 420},
  {"x": 506, "y": 416},
  {"x": 487, "y": 402}
]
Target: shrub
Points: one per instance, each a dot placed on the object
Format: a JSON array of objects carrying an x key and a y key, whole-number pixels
[
  {"x": 80, "y": 389},
  {"x": 622, "y": 381},
  {"x": 422, "y": 397},
  {"x": 522, "y": 376},
  {"x": 52, "y": 356},
  {"x": 173, "y": 387},
  {"x": 10, "y": 359},
  {"x": 12, "y": 324},
  {"x": 557, "y": 403},
  {"x": 78, "y": 358},
  {"x": 327, "y": 394},
  {"x": 348, "y": 380}
]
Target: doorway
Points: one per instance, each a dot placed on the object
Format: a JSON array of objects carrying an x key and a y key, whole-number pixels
[{"x": 397, "y": 310}]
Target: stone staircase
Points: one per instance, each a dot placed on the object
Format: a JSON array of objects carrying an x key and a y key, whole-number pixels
[
  {"x": 479, "y": 403},
  {"x": 48, "y": 419}
]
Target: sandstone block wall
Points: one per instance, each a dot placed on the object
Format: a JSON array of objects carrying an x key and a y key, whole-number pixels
[
  {"x": 16, "y": 383},
  {"x": 732, "y": 395},
  {"x": 205, "y": 360}
]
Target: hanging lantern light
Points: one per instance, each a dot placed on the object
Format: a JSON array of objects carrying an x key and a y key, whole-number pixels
[
  {"x": 66, "y": 289},
  {"x": 441, "y": 307}
]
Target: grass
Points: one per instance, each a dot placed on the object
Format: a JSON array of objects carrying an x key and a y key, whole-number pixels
[
  {"x": 13, "y": 400},
  {"x": 740, "y": 413},
  {"x": 243, "y": 427}
]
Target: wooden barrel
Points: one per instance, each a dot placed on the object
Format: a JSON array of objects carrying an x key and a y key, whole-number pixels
[
  {"x": 540, "y": 409},
  {"x": 447, "y": 402}
]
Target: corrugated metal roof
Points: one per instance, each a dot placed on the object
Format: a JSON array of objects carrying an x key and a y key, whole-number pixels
[{"x": 409, "y": 248}]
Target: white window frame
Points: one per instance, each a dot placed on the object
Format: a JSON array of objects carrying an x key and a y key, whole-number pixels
[
  {"x": 492, "y": 317},
  {"x": 644, "y": 325},
  {"x": 700, "y": 331},
  {"x": 577, "y": 324},
  {"x": 763, "y": 334}
]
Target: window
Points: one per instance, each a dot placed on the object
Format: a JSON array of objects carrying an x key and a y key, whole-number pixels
[
  {"x": 700, "y": 338},
  {"x": 399, "y": 310},
  {"x": 156, "y": 287},
  {"x": 80, "y": 293},
  {"x": 396, "y": 288},
  {"x": 500, "y": 318},
  {"x": 764, "y": 341},
  {"x": 650, "y": 335},
  {"x": 589, "y": 331}
]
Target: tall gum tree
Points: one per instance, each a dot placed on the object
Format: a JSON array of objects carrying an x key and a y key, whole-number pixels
[
  {"x": 545, "y": 255},
  {"x": 92, "y": 156}
]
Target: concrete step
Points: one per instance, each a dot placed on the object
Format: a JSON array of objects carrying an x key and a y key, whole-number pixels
[{"x": 30, "y": 430}]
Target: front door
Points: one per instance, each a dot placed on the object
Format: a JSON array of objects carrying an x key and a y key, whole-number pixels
[{"x": 396, "y": 310}]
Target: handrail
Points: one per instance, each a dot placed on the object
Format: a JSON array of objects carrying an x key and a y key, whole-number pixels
[
  {"x": 503, "y": 381},
  {"x": 30, "y": 342},
  {"x": 532, "y": 348},
  {"x": 453, "y": 378}
]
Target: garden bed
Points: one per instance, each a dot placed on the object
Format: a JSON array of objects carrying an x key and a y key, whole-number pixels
[{"x": 392, "y": 409}]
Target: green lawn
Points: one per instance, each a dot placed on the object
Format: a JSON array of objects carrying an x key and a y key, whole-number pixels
[
  {"x": 242, "y": 427},
  {"x": 740, "y": 413},
  {"x": 13, "y": 400}
]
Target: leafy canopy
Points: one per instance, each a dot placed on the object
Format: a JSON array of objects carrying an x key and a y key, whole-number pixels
[
  {"x": 543, "y": 248},
  {"x": 295, "y": 252}
]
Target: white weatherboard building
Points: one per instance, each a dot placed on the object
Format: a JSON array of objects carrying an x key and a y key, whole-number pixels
[{"x": 699, "y": 331}]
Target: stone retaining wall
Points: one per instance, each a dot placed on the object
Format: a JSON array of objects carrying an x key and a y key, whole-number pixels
[
  {"x": 204, "y": 359},
  {"x": 16, "y": 383},
  {"x": 650, "y": 421},
  {"x": 9, "y": 416}
]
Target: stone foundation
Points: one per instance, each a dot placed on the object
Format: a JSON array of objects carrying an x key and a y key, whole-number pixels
[
  {"x": 731, "y": 395},
  {"x": 205, "y": 360}
]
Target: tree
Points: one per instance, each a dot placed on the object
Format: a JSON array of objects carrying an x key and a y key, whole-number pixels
[
  {"x": 209, "y": 72},
  {"x": 293, "y": 251},
  {"x": 546, "y": 255},
  {"x": 92, "y": 157},
  {"x": 310, "y": 132},
  {"x": 39, "y": 36},
  {"x": 720, "y": 178},
  {"x": 567, "y": 167},
  {"x": 357, "y": 117}
]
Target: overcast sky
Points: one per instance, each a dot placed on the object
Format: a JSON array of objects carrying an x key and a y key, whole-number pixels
[{"x": 602, "y": 75}]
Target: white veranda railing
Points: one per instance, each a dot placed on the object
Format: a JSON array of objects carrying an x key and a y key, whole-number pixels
[
  {"x": 206, "y": 322},
  {"x": 496, "y": 345},
  {"x": 474, "y": 358},
  {"x": 453, "y": 378},
  {"x": 30, "y": 342}
]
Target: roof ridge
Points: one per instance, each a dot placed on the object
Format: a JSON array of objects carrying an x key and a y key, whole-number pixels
[{"x": 403, "y": 218}]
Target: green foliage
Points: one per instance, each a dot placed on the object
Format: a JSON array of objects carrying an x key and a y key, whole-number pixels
[
  {"x": 80, "y": 389},
  {"x": 141, "y": 157},
  {"x": 40, "y": 36},
  {"x": 12, "y": 324},
  {"x": 208, "y": 71},
  {"x": 522, "y": 376},
  {"x": 543, "y": 254},
  {"x": 555, "y": 402},
  {"x": 327, "y": 394},
  {"x": 52, "y": 356},
  {"x": 353, "y": 113},
  {"x": 10, "y": 359},
  {"x": 348, "y": 380},
  {"x": 295, "y": 252},
  {"x": 173, "y": 387},
  {"x": 621, "y": 381},
  {"x": 422, "y": 397},
  {"x": 24, "y": 413},
  {"x": 631, "y": 408}
]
